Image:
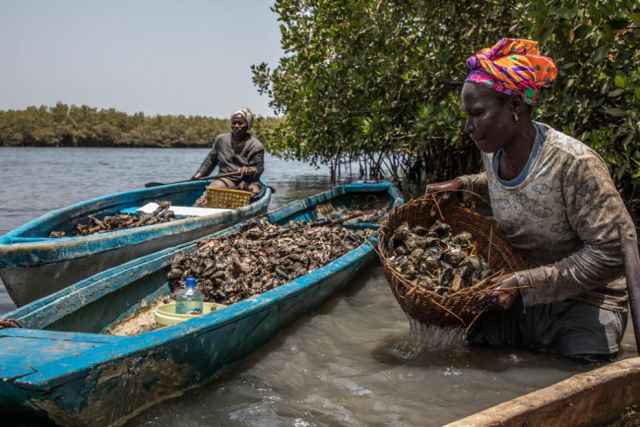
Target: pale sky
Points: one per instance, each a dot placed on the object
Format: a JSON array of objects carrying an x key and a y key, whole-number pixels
[{"x": 155, "y": 56}]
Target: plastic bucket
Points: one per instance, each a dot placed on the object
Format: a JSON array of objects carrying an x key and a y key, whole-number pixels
[{"x": 165, "y": 314}]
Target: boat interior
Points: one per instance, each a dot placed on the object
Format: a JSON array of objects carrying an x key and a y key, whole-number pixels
[{"x": 67, "y": 218}]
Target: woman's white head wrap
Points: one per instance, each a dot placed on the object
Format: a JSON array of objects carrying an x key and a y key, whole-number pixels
[{"x": 246, "y": 114}]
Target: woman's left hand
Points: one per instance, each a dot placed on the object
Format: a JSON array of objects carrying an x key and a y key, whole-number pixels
[
  {"x": 247, "y": 171},
  {"x": 506, "y": 293}
]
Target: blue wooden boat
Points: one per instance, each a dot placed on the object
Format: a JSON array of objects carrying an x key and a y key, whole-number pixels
[
  {"x": 33, "y": 265},
  {"x": 61, "y": 363}
]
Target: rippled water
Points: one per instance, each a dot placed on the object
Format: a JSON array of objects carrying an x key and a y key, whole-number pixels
[{"x": 344, "y": 364}]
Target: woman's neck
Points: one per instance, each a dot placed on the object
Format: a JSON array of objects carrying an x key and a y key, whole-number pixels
[
  {"x": 241, "y": 138},
  {"x": 517, "y": 152}
]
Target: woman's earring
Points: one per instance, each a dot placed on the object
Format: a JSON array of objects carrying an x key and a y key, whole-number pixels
[{"x": 515, "y": 117}]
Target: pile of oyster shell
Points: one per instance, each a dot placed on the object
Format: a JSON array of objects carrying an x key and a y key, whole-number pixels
[
  {"x": 261, "y": 257},
  {"x": 120, "y": 221},
  {"x": 328, "y": 212},
  {"x": 436, "y": 259}
]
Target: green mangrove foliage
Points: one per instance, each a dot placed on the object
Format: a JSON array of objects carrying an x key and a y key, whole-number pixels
[
  {"x": 377, "y": 82},
  {"x": 64, "y": 125}
]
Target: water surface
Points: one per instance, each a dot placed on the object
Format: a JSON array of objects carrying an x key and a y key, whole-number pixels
[{"x": 340, "y": 365}]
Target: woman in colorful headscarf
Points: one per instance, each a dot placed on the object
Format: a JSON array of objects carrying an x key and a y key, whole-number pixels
[
  {"x": 238, "y": 151},
  {"x": 554, "y": 200}
]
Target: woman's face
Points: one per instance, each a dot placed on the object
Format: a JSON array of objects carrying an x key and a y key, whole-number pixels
[
  {"x": 490, "y": 120},
  {"x": 239, "y": 127}
]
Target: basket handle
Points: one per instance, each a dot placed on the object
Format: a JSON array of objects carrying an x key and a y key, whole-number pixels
[
  {"x": 462, "y": 190},
  {"x": 432, "y": 195}
]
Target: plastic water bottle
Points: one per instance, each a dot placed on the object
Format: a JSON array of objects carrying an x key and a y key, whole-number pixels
[{"x": 189, "y": 300}]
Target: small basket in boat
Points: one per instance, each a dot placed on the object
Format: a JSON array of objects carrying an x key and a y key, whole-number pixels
[
  {"x": 459, "y": 308},
  {"x": 226, "y": 198}
]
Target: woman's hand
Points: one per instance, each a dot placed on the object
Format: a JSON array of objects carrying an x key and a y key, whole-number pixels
[
  {"x": 197, "y": 176},
  {"x": 453, "y": 185},
  {"x": 247, "y": 171},
  {"x": 506, "y": 293}
]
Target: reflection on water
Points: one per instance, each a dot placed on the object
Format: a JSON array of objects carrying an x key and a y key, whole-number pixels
[{"x": 351, "y": 362}]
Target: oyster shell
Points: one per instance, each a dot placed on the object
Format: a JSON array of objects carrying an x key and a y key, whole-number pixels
[
  {"x": 94, "y": 225},
  {"x": 436, "y": 259},
  {"x": 261, "y": 257}
]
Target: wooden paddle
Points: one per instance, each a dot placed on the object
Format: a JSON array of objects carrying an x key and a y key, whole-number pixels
[
  {"x": 222, "y": 175},
  {"x": 632, "y": 271}
]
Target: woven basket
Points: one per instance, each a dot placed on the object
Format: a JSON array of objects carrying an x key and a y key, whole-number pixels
[
  {"x": 225, "y": 198},
  {"x": 463, "y": 307}
]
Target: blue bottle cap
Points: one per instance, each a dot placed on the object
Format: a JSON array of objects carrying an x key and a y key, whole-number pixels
[{"x": 190, "y": 282}]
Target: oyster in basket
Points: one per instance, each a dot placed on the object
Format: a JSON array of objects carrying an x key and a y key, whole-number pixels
[{"x": 437, "y": 259}]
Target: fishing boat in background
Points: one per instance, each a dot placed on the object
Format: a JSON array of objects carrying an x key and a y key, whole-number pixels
[
  {"x": 62, "y": 363},
  {"x": 33, "y": 264}
]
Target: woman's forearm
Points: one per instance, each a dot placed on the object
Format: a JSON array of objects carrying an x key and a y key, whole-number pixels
[
  {"x": 208, "y": 164},
  {"x": 257, "y": 161},
  {"x": 476, "y": 183},
  {"x": 587, "y": 269}
]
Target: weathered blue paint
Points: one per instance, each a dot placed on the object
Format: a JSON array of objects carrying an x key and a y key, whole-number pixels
[
  {"x": 81, "y": 378},
  {"x": 33, "y": 265}
]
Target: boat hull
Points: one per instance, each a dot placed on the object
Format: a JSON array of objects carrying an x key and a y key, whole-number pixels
[
  {"x": 27, "y": 284},
  {"x": 595, "y": 398},
  {"x": 31, "y": 270},
  {"x": 114, "y": 392}
]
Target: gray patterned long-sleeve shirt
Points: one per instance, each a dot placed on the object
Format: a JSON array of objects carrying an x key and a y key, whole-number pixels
[
  {"x": 231, "y": 156},
  {"x": 563, "y": 218}
]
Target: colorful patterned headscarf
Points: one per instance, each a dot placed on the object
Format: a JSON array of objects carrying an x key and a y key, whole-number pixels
[
  {"x": 246, "y": 114},
  {"x": 513, "y": 67}
]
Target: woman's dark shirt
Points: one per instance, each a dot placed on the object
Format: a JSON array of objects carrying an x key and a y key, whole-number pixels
[{"x": 231, "y": 156}]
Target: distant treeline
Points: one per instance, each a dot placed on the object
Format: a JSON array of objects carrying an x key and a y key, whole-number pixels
[{"x": 84, "y": 126}]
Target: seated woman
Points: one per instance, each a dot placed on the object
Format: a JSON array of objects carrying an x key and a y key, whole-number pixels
[
  {"x": 555, "y": 202},
  {"x": 238, "y": 151}
]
